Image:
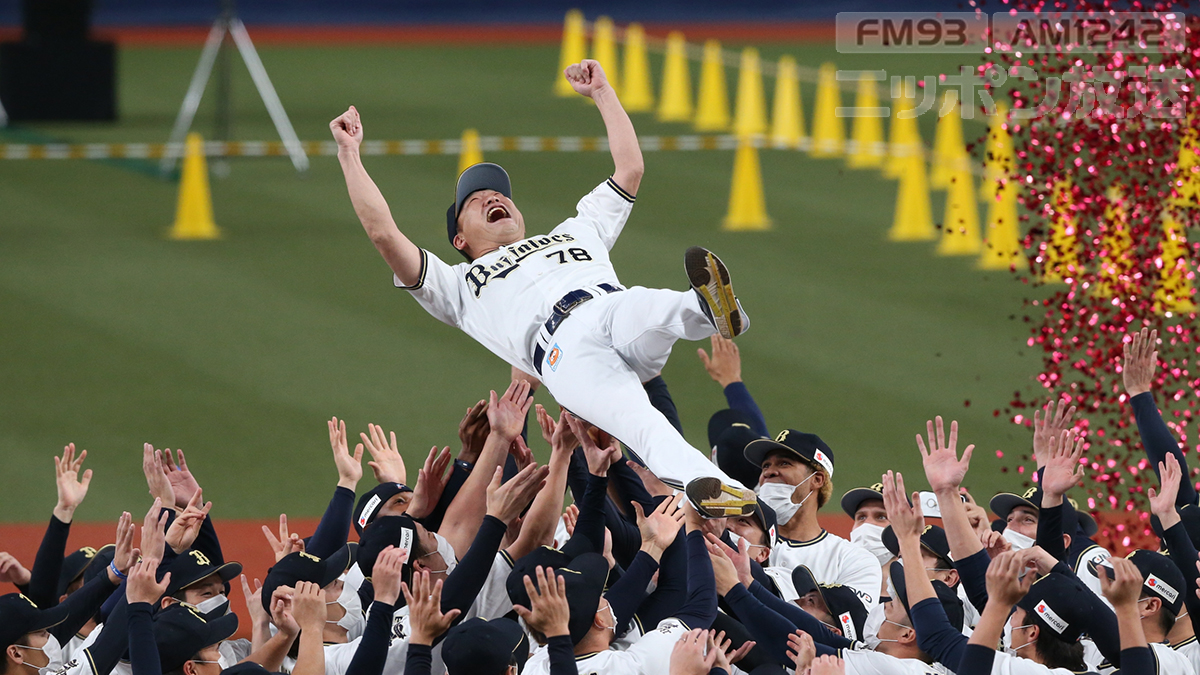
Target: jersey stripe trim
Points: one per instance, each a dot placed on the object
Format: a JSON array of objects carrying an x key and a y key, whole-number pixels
[
  {"x": 421, "y": 278},
  {"x": 617, "y": 188},
  {"x": 792, "y": 543},
  {"x": 1188, "y": 641}
]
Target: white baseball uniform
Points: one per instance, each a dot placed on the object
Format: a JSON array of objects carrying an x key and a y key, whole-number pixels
[
  {"x": 833, "y": 560},
  {"x": 1190, "y": 648},
  {"x": 867, "y": 662},
  {"x": 1092, "y": 554},
  {"x": 650, "y": 655},
  {"x": 596, "y": 361},
  {"x": 1170, "y": 661},
  {"x": 1015, "y": 665}
]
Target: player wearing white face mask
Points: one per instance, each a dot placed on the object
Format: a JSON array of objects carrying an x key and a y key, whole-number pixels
[
  {"x": 29, "y": 649},
  {"x": 864, "y": 505},
  {"x": 795, "y": 481}
]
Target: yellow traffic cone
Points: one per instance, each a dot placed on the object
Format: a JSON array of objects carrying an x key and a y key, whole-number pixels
[
  {"x": 1002, "y": 246},
  {"x": 638, "y": 95},
  {"x": 1174, "y": 291},
  {"x": 960, "y": 229},
  {"x": 712, "y": 107},
  {"x": 193, "y": 213},
  {"x": 604, "y": 50},
  {"x": 1115, "y": 256},
  {"x": 750, "y": 109},
  {"x": 574, "y": 50},
  {"x": 828, "y": 137},
  {"x": 747, "y": 207},
  {"x": 913, "y": 220},
  {"x": 948, "y": 145},
  {"x": 997, "y": 155},
  {"x": 905, "y": 139},
  {"x": 1187, "y": 176},
  {"x": 866, "y": 131},
  {"x": 470, "y": 153},
  {"x": 675, "y": 103},
  {"x": 1062, "y": 256},
  {"x": 787, "y": 119}
]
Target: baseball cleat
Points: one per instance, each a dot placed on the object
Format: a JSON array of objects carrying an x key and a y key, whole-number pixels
[
  {"x": 714, "y": 499},
  {"x": 710, "y": 279}
]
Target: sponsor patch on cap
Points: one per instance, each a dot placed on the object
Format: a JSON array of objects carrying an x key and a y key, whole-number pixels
[
  {"x": 406, "y": 542},
  {"x": 368, "y": 510},
  {"x": 847, "y": 623},
  {"x": 1046, "y": 614},
  {"x": 1162, "y": 588},
  {"x": 820, "y": 458}
]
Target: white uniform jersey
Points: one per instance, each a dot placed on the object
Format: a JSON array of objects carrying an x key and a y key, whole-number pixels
[
  {"x": 234, "y": 652},
  {"x": 833, "y": 560},
  {"x": 503, "y": 297},
  {"x": 73, "y": 646},
  {"x": 650, "y": 655},
  {"x": 1190, "y": 648},
  {"x": 1093, "y": 554},
  {"x": 1015, "y": 665},
  {"x": 867, "y": 662},
  {"x": 1170, "y": 661},
  {"x": 493, "y": 601}
]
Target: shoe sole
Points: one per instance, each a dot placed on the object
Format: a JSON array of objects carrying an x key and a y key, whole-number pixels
[
  {"x": 710, "y": 278},
  {"x": 714, "y": 499}
]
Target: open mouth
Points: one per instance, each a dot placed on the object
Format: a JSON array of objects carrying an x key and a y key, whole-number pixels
[{"x": 496, "y": 213}]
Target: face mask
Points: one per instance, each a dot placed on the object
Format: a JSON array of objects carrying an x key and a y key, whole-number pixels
[
  {"x": 52, "y": 651},
  {"x": 1019, "y": 541},
  {"x": 871, "y": 627},
  {"x": 612, "y": 617},
  {"x": 354, "y": 622},
  {"x": 733, "y": 537},
  {"x": 778, "y": 496},
  {"x": 1008, "y": 649},
  {"x": 214, "y": 607},
  {"x": 902, "y": 626},
  {"x": 447, "y": 552},
  {"x": 870, "y": 537}
]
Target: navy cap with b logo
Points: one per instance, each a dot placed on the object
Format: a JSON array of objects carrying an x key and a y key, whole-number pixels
[
  {"x": 194, "y": 566},
  {"x": 481, "y": 647},
  {"x": 300, "y": 566},
  {"x": 809, "y": 448},
  {"x": 18, "y": 616}
]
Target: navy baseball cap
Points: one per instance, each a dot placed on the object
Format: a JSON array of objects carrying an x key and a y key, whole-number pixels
[
  {"x": 482, "y": 176},
  {"x": 730, "y": 453},
  {"x": 300, "y": 566},
  {"x": 854, "y": 498},
  {"x": 481, "y": 647},
  {"x": 1162, "y": 577},
  {"x": 933, "y": 539},
  {"x": 19, "y": 616},
  {"x": 1003, "y": 504},
  {"x": 809, "y": 448},
  {"x": 1085, "y": 520},
  {"x": 584, "y": 580},
  {"x": 951, "y": 603},
  {"x": 1061, "y": 604},
  {"x": 369, "y": 504},
  {"x": 180, "y": 631},
  {"x": 75, "y": 564},
  {"x": 725, "y": 419},
  {"x": 545, "y": 556},
  {"x": 194, "y": 566},
  {"x": 398, "y": 531},
  {"x": 843, "y": 603}
]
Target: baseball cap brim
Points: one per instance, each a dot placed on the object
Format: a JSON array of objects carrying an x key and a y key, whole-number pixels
[
  {"x": 228, "y": 572},
  {"x": 482, "y": 176},
  {"x": 1003, "y": 504},
  {"x": 854, "y": 498},
  {"x": 757, "y": 450}
]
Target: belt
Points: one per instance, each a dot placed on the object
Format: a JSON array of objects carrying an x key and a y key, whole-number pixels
[{"x": 561, "y": 310}]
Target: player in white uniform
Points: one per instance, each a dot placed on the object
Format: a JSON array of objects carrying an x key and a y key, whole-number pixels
[{"x": 552, "y": 304}]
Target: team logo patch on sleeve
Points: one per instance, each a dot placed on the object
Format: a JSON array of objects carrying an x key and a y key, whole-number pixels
[
  {"x": 554, "y": 356},
  {"x": 1050, "y": 617}
]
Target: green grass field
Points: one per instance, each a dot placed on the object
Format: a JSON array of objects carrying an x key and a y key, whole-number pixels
[{"x": 238, "y": 350}]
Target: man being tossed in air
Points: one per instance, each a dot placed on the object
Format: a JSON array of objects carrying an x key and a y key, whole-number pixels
[{"x": 552, "y": 304}]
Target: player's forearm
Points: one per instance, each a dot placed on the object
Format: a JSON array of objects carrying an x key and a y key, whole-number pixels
[
  {"x": 959, "y": 534},
  {"x": 542, "y": 520},
  {"x": 469, "y": 506},
  {"x": 919, "y": 586},
  {"x": 622, "y": 140},
  {"x": 372, "y": 210}
]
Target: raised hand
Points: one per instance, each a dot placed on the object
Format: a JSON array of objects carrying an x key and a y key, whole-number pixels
[
  {"x": 557, "y": 434},
  {"x": 520, "y": 452},
  {"x": 1063, "y": 469},
  {"x": 183, "y": 532},
  {"x": 347, "y": 130},
  {"x": 282, "y": 611},
  {"x": 506, "y": 501},
  {"x": 977, "y": 516},
  {"x": 425, "y": 609},
  {"x": 506, "y": 414},
  {"x": 725, "y": 365},
  {"x": 1140, "y": 359},
  {"x": 72, "y": 487},
  {"x": 570, "y": 516},
  {"x": 349, "y": 467},
  {"x": 156, "y": 476},
  {"x": 1162, "y": 500},
  {"x": 385, "y": 576},
  {"x": 1054, "y": 420},
  {"x": 308, "y": 606},
  {"x": 801, "y": 650},
  {"x": 1126, "y": 585},
  {"x": 943, "y": 468},
  {"x": 183, "y": 483},
  {"x": 828, "y": 665},
  {"x": 660, "y": 527},
  {"x": 994, "y": 543},
  {"x": 154, "y": 526},
  {"x": 286, "y": 543},
  {"x": 598, "y": 459},
  {"x": 1009, "y": 577},
  {"x": 907, "y": 519},
  {"x": 586, "y": 77},
  {"x": 12, "y": 571},
  {"x": 386, "y": 461},
  {"x": 125, "y": 554},
  {"x": 473, "y": 431},
  {"x": 253, "y": 598},
  {"x": 688, "y": 657},
  {"x": 431, "y": 482},
  {"x": 724, "y": 572},
  {"x": 726, "y": 656},
  {"x": 548, "y": 611},
  {"x": 740, "y": 557},
  {"x": 142, "y": 586}
]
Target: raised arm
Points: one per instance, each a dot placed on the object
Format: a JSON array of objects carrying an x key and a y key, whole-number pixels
[
  {"x": 588, "y": 79},
  {"x": 401, "y": 255}
]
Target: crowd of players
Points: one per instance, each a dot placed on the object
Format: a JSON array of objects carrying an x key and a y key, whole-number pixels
[{"x": 478, "y": 569}]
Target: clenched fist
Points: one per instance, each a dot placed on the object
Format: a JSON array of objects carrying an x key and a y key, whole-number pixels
[
  {"x": 347, "y": 130},
  {"x": 586, "y": 77}
]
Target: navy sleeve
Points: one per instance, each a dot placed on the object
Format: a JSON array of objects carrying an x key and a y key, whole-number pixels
[
  {"x": 660, "y": 398},
  {"x": 419, "y": 660},
  {"x": 717, "y": 671},
  {"x": 626, "y": 595},
  {"x": 143, "y": 650},
  {"x": 972, "y": 570},
  {"x": 107, "y": 650},
  {"x": 672, "y": 590},
  {"x": 589, "y": 527},
  {"x": 1158, "y": 441},
  {"x": 935, "y": 636},
  {"x": 562, "y": 656},
  {"x": 738, "y": 397},
  {"x": 1050, "y": 531},
  {"x": 84, "y": 604},
  {"x": 47, "y": 566},
  {"x": 769, "y": 628},
  {"x": 1183, "y": 554},
  {"x": 977, "y": 660},
  {"x": 334, "y": 529},
  {"x": 371, "y": 654},
  {"x": 801, "y": 619},
  {"x": 465, "y": 582},
  {"x": 626, "y": 538},
  {"x": 1135, "y": 660},
  {"x": 701, "y": 606},
  {"x": 630, "y": 488}
]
